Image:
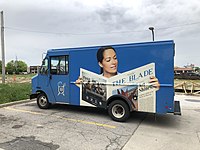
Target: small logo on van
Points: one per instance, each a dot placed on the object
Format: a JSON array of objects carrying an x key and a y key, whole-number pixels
[{"x": 61, "y": 88}]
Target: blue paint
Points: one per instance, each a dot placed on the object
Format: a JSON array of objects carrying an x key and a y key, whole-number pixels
[{"x": 61, "y": 88}]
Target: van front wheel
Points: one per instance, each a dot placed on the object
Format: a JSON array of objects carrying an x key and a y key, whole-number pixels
[
  {"x": 119, "y": 110},
  {"x": 42, "y": 101}
]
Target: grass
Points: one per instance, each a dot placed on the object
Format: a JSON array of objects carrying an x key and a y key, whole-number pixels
[
  {"x": 14, "y": 92},
  {"x": 17, "y": 87}
]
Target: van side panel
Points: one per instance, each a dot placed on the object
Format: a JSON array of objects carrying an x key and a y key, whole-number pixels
[
  {"x": 130, "y": 56},
  {"x": 85, "y": 58}
]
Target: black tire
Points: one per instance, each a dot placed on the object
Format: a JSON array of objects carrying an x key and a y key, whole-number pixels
[
  {"x": 42, "y": 101},
  {"x": 119, "y": 110}
]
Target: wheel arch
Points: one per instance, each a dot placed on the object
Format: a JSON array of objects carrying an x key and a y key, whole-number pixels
[
  {"x": 120, "y": 97},
  {"x": 39, "y": 92},
  {"x": 35, "y": 95}
]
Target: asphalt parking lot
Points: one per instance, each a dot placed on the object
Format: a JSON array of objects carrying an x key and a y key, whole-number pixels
[{"x": 25, "y": 126}]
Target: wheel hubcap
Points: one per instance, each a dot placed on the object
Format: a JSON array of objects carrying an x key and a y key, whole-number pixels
[
  {"x": 43, "y": 101},
  {"x": 118, "y": 111}
]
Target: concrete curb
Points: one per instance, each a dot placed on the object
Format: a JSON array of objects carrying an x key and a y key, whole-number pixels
[{"x": 16, "y": 102}]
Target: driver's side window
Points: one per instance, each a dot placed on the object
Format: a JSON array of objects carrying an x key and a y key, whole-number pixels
[{"x": 59, "y": 65}]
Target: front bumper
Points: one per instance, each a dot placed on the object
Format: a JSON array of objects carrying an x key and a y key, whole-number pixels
[{"x": 32, "y": 96}]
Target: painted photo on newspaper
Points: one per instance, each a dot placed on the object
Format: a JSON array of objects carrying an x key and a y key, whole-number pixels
[{"x": 137, "y": 85}]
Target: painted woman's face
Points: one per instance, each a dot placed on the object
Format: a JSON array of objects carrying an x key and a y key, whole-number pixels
[{"x": 109, "y": 63}]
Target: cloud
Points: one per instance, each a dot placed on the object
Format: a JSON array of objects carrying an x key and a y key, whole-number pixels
[{"x": 88, "y": 22}]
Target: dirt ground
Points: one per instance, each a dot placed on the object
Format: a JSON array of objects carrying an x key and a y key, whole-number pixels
[
  {"x": 17, "y": 79},
  {"x": 187, "y": 86}
]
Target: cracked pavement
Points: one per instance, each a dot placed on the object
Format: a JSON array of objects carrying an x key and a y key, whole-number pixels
[{"x": 63, "y": 127}]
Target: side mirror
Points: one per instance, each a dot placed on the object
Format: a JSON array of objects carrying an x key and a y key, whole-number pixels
[{"x": 43, "y": 62}]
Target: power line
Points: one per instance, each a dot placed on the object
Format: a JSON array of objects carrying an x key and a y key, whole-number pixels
[
  {"x": 178, "y": 26},
  {"x": 96, "y": 33},
  {"x": 34, "y": 31}
]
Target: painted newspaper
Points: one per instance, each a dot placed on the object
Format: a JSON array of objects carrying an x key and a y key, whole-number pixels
[{"x": 133, "y": 84}]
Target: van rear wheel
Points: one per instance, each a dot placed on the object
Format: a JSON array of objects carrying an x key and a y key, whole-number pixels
[
  {"x": 42, "y": 101},
  {"x": 119, "y": 110}
]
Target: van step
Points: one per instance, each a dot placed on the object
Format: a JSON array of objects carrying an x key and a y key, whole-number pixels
[{"x": 177, "y": 109}]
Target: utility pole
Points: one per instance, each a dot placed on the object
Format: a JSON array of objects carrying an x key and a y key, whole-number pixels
[{"x": 2, "y": 48}]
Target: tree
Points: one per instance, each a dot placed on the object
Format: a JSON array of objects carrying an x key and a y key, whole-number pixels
[
  {"x": 16, "y": 67},
  {"x": 10, "y": 67},
  {"x": 197, "y": 69},
  {"x": 21, "y": 66}
]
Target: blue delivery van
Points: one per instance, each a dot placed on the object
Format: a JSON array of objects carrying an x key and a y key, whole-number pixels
[{"x": 120, "y": 78}]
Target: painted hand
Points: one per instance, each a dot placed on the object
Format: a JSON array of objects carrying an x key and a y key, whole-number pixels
[
  {"x": 79, "y": 80},
  {"x": 154, "y": 81}
]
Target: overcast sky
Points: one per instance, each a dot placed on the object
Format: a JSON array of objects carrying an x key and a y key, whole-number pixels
[{"x": 32, "y": 27}]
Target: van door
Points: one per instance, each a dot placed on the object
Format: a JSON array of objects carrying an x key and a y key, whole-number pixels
[
  {"x": 59, "y": 77},
  {"x": 43, "y": 80}
]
